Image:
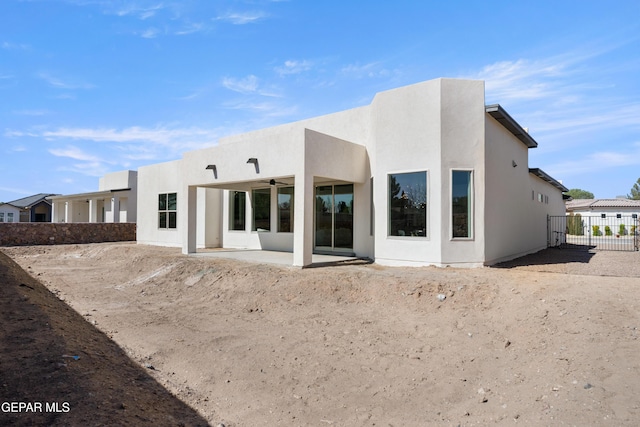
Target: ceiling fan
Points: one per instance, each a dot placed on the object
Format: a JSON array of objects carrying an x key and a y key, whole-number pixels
[{"x": 274, "y": 182}]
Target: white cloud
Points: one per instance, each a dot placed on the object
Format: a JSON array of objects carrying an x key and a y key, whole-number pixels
[
  {"x": 14, "y": 46},
  {"x": 266, "y": 109},
  {"x": 63, "y": 84},
  {"x": 139, "y": 12},
  {"x": 150, "y": 33},
  {"x": 246, "y": 85},
  {"x": 177, "y": 140},
  {"x": 74, "y": 153},
  {"x": 596, "y": 162},
  {"x": 371, "y": 70},
  {"x": 294, "y": 67},
  {"x": 241, "y": 18}
]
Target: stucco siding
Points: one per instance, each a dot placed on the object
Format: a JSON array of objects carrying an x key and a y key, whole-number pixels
[{"x": 154, "y": 180}]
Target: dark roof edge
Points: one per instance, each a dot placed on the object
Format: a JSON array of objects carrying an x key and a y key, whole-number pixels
[
  {"x": 546, "y": 177},
  {"x": 497, "y": 112}
]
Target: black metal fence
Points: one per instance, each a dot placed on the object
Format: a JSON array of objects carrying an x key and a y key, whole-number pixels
[{"x": 611, "y": 232}]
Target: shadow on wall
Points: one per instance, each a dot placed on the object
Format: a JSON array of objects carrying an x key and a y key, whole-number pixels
[{"x": 51, "y": 356}]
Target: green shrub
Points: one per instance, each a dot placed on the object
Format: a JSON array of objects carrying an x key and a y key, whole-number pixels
[
  {"x": 607, "y": 231},
  {"x": 622, "y": 230},
  {"x": 596, "y": 230},
  {"x": 633, "y": 230},
  {"x": 575, "y": 225}
]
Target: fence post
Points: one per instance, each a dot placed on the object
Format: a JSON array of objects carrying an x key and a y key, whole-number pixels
[{"x": 589, "y": 230}]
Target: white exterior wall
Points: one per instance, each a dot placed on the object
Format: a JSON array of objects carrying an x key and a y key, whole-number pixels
[
  {"x": 436, "y": 126},
  {"x": 463, "y": 148},
  {"x": 5, "y": 209},
  {"x": 152, "y": 181},
  {"x": 508, "y": 201},
  {"x": 516, "y": 221}
]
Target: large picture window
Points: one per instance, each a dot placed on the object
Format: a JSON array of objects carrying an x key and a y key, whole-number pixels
[
  {"x": 167, "y": 210},
  {"x": 461, "y": 204},
  {"x": 261, "y": 200},
  {"x": 408, "y": 204},
  {"x": 285, "y": 209},
  {"x": 9, "y": 216},
  {"x": 237, "y": 210}
]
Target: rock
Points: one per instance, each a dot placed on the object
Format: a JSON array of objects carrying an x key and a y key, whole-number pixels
[
  {"x": 149, "y": 366},
  {"x": 587, "y": 386},
  {"x": 442, "y": 297}
]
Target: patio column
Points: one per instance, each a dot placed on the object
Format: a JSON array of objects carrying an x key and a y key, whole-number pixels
[
  {"x": 189, "y": 209},
  {"x": 303, "y": 220},
  {"x": 115, "y": 208},
  {"x": 93, "y": 210},
  {"x": 68, "y": 212}
]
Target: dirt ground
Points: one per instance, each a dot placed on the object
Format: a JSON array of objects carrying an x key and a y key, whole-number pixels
[{"x": 548, "y": 339}]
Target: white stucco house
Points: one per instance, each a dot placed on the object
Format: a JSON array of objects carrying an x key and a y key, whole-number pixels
[
  {"x": 9, "y": 213},
  {"x": 607, "y": 212},
  {"x": 424, "y": 175},
  {"x": 115, "y": 201}
]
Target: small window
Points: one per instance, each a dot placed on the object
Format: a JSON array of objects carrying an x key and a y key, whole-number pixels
[
  {"x": 634, "y": 216},
  {"x": 167, "y": 210},
  {"x": 261, "y": 201},
  {"x": 237, "y": 210},
  {"x": 540, "y": 197},
  {"x": 618, "y": 216},
  {"x": 603, "y": 215},
  {"x": 285, "y": 209},
  {"x": 9, "y": 216},
  {"x": 408, "y": 204},
  {"x": 1, "y": 216},
  {"x": 461, "y": 203}
]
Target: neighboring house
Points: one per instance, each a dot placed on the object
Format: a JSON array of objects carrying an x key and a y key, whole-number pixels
[
  {"x": 611, "y": 212},
  {"x": 9, "y": 213},
  {"x": 34, "y": 208},
  {"x": 424, "y": 175},
  {"x": 115, "y": 201}
]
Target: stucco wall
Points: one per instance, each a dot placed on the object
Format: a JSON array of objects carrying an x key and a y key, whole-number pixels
[
  {"x": 516, "y": 221},
  {"x": 42, "y": 233},
  {"x": 152, "y": 181},
  {"x": 435, "y": 126}
]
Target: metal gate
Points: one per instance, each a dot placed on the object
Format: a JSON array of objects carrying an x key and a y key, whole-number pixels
[{"x": 606, "y": 232}]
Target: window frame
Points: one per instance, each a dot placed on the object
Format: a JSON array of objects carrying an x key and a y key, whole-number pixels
[
  {"x": 291, "y": 209},
  {"x": 470, "y": 207},
  {"x": 426, "y": 204},
  {"x": 166, "y": 211},
  {"x": 260, "y": 191},
  {"x": 242, "y": 218}
]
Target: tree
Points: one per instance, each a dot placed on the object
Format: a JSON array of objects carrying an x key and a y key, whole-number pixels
[
  {"x": 635, "y": 191},
  {"x": 577, "y": 193}
]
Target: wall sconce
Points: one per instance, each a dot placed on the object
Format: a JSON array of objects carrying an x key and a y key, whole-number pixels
[
  {"x": 513, "y": 163},
  {"x": 214, "y": 169},
  {"x": 255, "y": 163},
  {"x": 272, "y": 182}
]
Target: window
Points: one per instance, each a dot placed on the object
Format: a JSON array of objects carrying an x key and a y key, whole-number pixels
[
  {"x": 9, "y": 216},
  {"x": 408, "y": 204},
  {"x": 1, "y": 216},
  {"x": 603, "y": 215},
  {"x": 261, "y": 200},
  {"x": 285, "y": 209},
  {"x": 167, "y": 210},
  {"x": 461, "y": 202},
  {"x": 237, "y": 210}
]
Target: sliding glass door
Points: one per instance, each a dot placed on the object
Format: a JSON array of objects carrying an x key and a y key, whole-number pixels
[{"x": 334, "y": 218}]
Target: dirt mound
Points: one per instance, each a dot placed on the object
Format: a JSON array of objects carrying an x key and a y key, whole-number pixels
[{"x": 67, "y": 371}]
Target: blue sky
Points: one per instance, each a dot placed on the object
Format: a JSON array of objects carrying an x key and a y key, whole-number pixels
[{"x": 95, "y": 86}]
